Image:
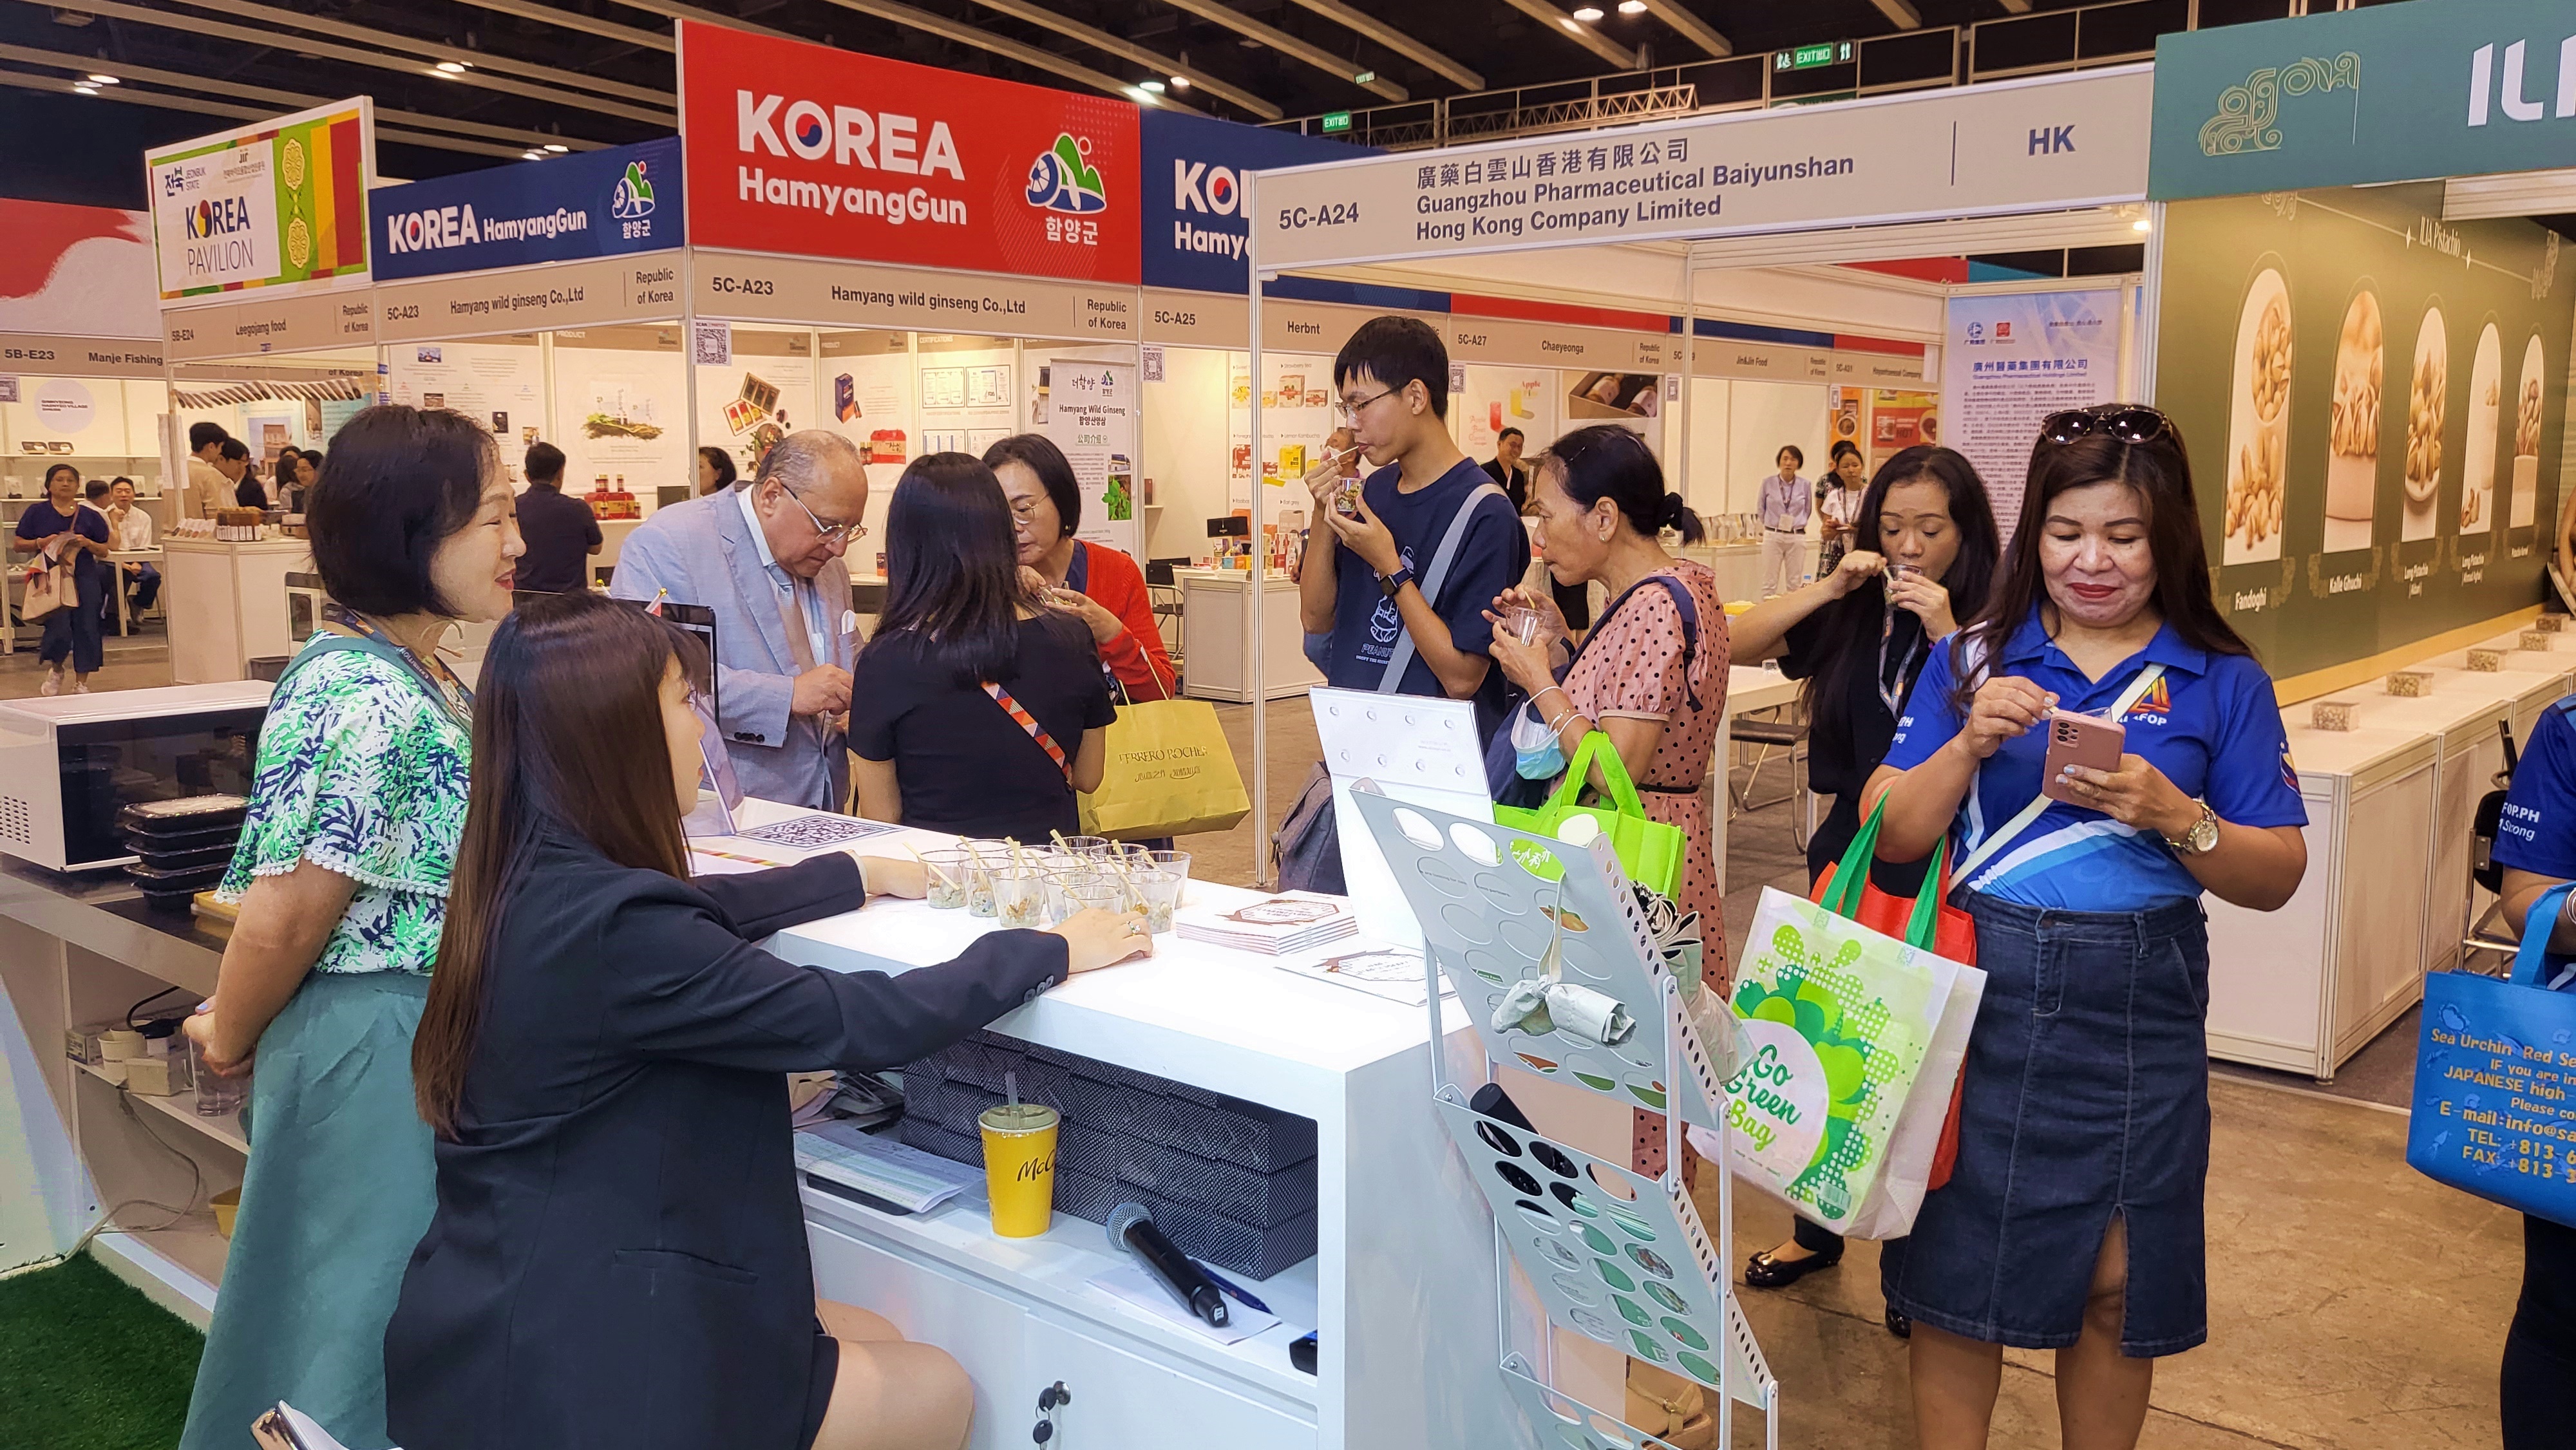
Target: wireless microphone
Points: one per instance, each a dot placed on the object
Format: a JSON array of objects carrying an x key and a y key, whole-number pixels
[{"x": 1131, "y": 1227}]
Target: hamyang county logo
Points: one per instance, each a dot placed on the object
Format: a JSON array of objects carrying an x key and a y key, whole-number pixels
[
  {"x": 1062, "y": 180},
  {"x": 2247, "y": 114},
  {"x": 633, "y": 197}
]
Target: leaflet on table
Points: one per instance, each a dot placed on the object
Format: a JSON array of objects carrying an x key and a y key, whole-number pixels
[
  {"x": 881, "y": 1168},
  {"x": 1128, "y": 1285},
  {"x": 1393, "y": 973},
  {"x": 1292, "y": 921}
]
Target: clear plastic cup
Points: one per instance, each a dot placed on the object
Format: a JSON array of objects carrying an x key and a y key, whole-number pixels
[
  {"x": 1019, "y": 898},
  {"x": 216, "y": 1096},
  {"x": 1086, "y": 845},
  {"x": 990, "y": 857},
  {"x": 949, "y": 873},
  {"x": 1061, "y": 882},
  {"x": 1161, "y": 893},
  {"x": 1523, "y": 623}
]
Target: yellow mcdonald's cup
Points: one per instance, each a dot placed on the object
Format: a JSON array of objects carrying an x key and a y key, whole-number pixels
[{"x": 1019, "y": 1167}]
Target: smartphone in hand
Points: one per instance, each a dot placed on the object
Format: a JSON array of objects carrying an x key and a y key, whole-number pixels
[{"x": 2087, "y": 740}]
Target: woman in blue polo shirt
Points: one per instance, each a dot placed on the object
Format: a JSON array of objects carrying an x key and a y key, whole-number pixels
[{"x": 2073, "y": 1221}]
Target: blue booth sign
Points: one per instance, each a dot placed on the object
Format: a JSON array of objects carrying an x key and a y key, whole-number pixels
[
  {"x": 1194, "y": 222},
  {"x": 567, "y": 208}
]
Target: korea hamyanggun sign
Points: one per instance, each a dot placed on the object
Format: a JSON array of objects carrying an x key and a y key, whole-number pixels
[
  {"x": 569, "y": 208},
  {"x": 2041, "y": 144}
]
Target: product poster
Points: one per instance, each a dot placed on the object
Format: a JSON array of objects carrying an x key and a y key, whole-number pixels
[
  {"x": 966, "y": 389},
  {"x": 1499, "y": 397},
  {"x": 2010, "y": 361},
  {"x": 619, "y": 396},
  {"x": 1634, "y": 401},
  {"x": 276, "y": 203},
  {"x": 1297, "y": 419},
  {"x": 864, "y": 387},
  {"x": 2374, "y": 401},
  {"x": 1091, "y": 415},
  {"x": 1898, "y": 420},
  {"x": 498, "y": 385},
  {"x": 764, "y": 393}
]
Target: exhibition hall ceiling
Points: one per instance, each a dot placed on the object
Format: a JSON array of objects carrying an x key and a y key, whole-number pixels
[{"x": 461, "y": 83}]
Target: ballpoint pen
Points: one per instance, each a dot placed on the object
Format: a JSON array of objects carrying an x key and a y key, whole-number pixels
[{"x": 1233, "y": 1289}]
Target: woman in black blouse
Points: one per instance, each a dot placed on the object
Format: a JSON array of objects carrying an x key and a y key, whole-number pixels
[
  {"x": 1924, "y": 550},
  {"x": 974, "y": 710}
]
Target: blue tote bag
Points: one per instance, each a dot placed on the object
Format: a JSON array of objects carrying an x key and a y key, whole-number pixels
[{"x": 2495, "y": 1080}]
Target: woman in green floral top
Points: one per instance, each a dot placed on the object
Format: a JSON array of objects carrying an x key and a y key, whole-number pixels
[{"x": 341, "y": 877}]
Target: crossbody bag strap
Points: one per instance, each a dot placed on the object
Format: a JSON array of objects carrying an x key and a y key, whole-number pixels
[
  {"x": 1397, "y": 662},
  {"x": 2004, "y": 834},
  {"x": 1020, "y": 716}
]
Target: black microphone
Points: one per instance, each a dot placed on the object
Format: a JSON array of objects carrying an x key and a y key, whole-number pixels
[{"x": 1131, "y": 1227}]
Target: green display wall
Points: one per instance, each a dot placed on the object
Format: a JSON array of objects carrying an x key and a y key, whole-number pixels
[{"x": 2374, "y": 402}]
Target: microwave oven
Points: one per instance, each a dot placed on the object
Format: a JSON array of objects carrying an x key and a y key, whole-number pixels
[{"x": 71, "y": 764}]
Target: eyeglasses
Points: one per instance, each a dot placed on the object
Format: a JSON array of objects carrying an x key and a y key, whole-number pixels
[
  {"x": 832, "y": 533},
  {"x": 1351, "y": 411},
  {"x": 2128, "y": 422},
  {"x": 1024, "y": 509}
]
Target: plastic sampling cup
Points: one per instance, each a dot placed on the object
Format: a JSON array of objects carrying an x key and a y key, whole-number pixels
[
  {"x": 950, "y": 872},
  {"x": 1161, "y": 891},
  {"x": 1522, "y": 623},
  {"x": 1019, "y": 1167},
  {"x": 216, "y": 1096},
  {"x": 1019, "y": 896}
]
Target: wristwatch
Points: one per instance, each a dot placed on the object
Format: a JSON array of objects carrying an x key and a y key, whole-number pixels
[
  {"x": 1393, "y": 584},
  {"x": 2202, "y": 836}
]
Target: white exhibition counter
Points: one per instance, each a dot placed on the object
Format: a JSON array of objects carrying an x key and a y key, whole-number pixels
[
  {"x": 1402, "y": 1288},
  {"x": 226, "y": 603},
  {"x": 1216, "y": 635}
]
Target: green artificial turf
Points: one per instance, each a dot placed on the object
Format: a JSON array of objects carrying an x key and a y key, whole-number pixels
[{"x": 86, "y": 1363}]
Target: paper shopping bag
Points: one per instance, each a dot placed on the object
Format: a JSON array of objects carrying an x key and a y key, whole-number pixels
[
  {"x": 1840, "y": 1027},
  {"x": 1169, "y": 773}
]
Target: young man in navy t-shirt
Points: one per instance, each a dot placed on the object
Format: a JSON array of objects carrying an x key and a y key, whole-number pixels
[{"x": 1359, "y": 581}]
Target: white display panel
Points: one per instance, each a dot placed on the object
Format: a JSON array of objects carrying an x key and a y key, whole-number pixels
[
  {"x": 1762, "y": 417},
  {"x": 1185, "y": 441},
  {"x": 500, "y": 385},
  {"x": 619, "y": 404},
  {"x": 1530, "y": 399},
  {"x": 765, "y": 393},
  {"x": 966, "y": 390},
  {"x": 87, "y": 413},
  {"x": 1091, "y": 413},
  {"x": 863, "y": 390}
]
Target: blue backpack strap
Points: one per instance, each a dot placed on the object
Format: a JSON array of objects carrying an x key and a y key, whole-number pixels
[{"x": 1683, "y": 604}]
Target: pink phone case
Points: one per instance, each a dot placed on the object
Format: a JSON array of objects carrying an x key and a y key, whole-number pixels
[{"x": 2086, "y": 740}]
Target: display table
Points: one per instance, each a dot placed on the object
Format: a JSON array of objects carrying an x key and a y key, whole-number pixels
[
  {"x": 1738, "y": 567},
  {"x": 1748, "y": 687},
  {"x": 1216, "y": 620},
  {"x": 612, "y": 539},
  {"x": 227, "y": 603},
  {"x": 1403, "y": 1285}
]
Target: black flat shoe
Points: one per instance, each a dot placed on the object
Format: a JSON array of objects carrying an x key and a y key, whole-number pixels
[
  {"x": 1900, "y": 1325},
  {"x": 1765, "y": 1272}
]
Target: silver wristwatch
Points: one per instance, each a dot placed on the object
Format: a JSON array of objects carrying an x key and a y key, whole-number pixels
[{"x": 2202, "y": 836}]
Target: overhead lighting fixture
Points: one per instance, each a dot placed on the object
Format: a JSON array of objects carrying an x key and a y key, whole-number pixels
[
  {"x": 557, "y": 147},
  {"x": 1570, "y": 25},
  {"x": 1150, "y": 87},
  {"x": 452, "y": 67},
  {"x": 536, "y": 155},
  {"x": 1364, "y": 77},
  {"x": 1180, "y": 83},
  {"x": 100, "y": 80},
  {"x": 1140, "y": 95},
  {"x": 2142, "y": 225},
  {"x": 1587, "y": 13},
  {"x": 1632, "y": 7},
  {"x": 84, "y": 89}
]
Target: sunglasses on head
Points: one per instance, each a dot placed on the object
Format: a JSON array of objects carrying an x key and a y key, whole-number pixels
[{"x": 2128, "y": 422}]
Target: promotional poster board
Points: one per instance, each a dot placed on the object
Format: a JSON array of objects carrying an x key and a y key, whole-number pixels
[
  {"x": 2381, "y": 93},
  {"x": 820, "y": 152},
  {"x": 277, "y": 203},
  {"x": 2011, "y": 360},
  {"x": 2373, "y": 400},
  {"x": 764, "y": 393},
  {"x": 566, "y": 208},
  {"x": 619, "y": 396},
  {"x": 1091, "y": 415},
  {"x": 500, "y": 384}
]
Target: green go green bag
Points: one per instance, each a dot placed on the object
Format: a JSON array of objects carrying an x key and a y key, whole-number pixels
[{"x": 1648, "y": 850}]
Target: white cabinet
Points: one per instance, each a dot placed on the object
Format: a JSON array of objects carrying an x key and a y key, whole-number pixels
[
  {"x": 1122, "y": 1402},
  {"x": 1216, "y": 636}
]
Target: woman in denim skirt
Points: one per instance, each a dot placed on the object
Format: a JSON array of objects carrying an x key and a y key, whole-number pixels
[{"x": 2074, "y": 1219}]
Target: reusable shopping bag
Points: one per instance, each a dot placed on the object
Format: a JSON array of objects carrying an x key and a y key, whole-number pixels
[
  {"x": 1648, "y": 850},
  {"x": 1954, "y": 935},
  {"x": 1169, "y": 773},
  {"x": 49, "y": 587},
  {"x": 2495, "y": 1079},
  {"x": 1851, "y": 1044}
]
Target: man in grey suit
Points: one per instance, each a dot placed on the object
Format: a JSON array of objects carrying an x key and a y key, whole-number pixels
[{"x": 766, "y": 557}]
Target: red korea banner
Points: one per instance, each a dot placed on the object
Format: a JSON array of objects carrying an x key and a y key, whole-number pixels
[{"x": 808, "y": 150}]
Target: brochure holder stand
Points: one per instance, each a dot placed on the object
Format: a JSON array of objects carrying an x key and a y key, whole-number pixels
[{"x": 1613, "y": 1255}]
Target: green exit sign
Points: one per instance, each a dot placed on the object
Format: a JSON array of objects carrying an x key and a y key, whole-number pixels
[
  {"x": 1808, "y": 57},
  {"x": 1336, "y": 121}
]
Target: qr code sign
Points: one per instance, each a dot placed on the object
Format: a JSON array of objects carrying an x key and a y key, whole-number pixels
[
  {"x": 713, "y": 345},
  {"x": 806, "y": 833}
]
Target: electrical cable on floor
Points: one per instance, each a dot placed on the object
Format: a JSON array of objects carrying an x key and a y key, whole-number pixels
[{"x": 178, "y": 1216}]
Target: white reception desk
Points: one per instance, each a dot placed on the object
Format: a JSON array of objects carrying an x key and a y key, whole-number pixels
[
  {"x": 226, "y": 603},
  {"x": 1216, "y": 636}
]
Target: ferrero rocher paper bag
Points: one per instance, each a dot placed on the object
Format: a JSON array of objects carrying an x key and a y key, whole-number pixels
[{"x": 1169, "y": 773}]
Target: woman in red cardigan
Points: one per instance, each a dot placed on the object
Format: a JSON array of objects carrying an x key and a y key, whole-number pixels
[{"x": 1103, "y": 586}]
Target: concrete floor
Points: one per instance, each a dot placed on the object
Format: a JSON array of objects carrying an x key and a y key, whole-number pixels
[{"x": 2354, "y": 1304}]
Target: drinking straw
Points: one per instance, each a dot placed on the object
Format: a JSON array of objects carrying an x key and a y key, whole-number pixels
[{"x": 1011, "y": 1087}]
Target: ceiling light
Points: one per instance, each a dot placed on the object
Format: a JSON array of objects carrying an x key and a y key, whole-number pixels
[
  {"x": 1364, "y": 77},
  {"x": 452, "y": 67},
  {"x": 84, "y": 89},
  {"x": 557, "y": 147},
  {"x": 1180, "y": 83},
  {"x": 536, "y": 155},
  {"x": 1632, "y": 7},
  {"x": 2142, "y": 225},
  {"x": 1587, "y": 13},
  {"x": 1570, "y": 25},
  {"x": 1150, "y": 87},
  {"x": 100, "y": 80},
  {"x": 1139, "y": 95}
]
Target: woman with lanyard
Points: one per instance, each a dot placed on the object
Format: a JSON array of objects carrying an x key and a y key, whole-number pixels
[
  {"x": 1838, "y": 506},
  {"x": 356, "y": 808},
  {"x": 1102, "y": 587},
  {"x": 2073, "y": 1221},
  {"x": 1859, "y": 637}
]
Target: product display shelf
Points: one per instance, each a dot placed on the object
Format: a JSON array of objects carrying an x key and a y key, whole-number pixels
[
  {"x": 2467, "y": 714},
  {"x": 1402, "y": 1289},
  {"x": 224, "y": 1128},
  {"x": 2303, "y": 988},
  {"x": 1621, "y": 1259}
]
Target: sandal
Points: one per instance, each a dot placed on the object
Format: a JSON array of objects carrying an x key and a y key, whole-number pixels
[{"x": 1763, "y": 1271}]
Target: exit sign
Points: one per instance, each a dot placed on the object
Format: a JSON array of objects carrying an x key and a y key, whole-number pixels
[
  {"x": 1808, "y": 57},
  {"x": 1335, "y": 121}
]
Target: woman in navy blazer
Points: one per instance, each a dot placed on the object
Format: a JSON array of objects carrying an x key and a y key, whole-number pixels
[{"x": 618, "y": 1255}]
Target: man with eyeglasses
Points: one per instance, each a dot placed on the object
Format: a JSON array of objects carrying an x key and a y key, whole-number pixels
[{"x": 766, "y": 556}]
